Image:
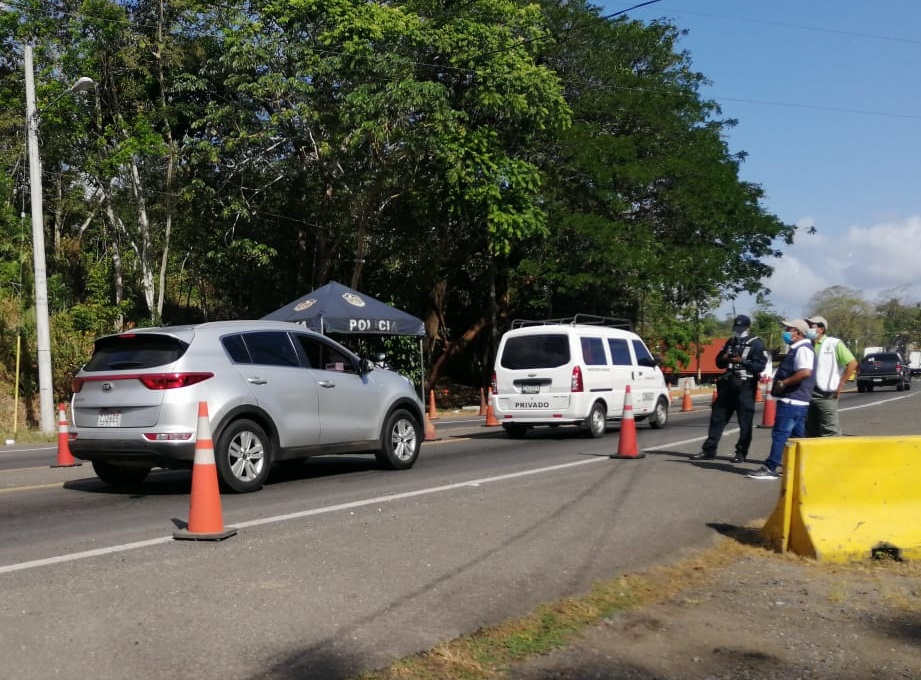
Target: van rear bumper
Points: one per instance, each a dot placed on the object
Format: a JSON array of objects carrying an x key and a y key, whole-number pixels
[{"x": 538, "y": 409}]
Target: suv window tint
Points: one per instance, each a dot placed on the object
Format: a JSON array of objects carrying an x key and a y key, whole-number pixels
[
  {"x": 593, "y": 352},
  {"x": 272, "y": 348},
  {"x": 620, "y": 352},
  {"x": 141, "y": 350},
  {"x": 236, "y": 348},
  {"x": 324, "y": 356},
  {"x": 536, "y": 351},
  {"x": 643, "y": 357}
]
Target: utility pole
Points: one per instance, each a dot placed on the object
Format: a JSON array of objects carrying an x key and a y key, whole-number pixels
[{"x": 42, "y": 323}]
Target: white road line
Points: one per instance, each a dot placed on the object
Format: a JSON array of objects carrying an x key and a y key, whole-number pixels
[{"x": 72, "y": 557}]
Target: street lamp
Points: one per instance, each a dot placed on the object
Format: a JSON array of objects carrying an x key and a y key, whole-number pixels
[{"x": 42, "y": 324}]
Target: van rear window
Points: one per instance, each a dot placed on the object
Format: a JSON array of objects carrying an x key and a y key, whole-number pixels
[{"x": 536, "y": 351}]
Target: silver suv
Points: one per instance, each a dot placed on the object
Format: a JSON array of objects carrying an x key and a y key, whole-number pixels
[{"x": 275, "y": 392}]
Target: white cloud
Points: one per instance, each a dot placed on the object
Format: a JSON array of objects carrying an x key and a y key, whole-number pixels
[{"x": 871, "y": 260}]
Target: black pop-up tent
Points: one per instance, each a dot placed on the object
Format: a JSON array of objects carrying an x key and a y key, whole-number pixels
[{"x": 335, "y": 308}]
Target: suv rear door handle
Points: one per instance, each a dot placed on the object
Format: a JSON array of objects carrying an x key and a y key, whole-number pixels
[
  {"x": 326, "y": 383},
  {"x": 257, "y": 381}
]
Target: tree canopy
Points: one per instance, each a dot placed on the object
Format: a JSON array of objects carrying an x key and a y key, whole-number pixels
[{"x": 467, "y": 162}]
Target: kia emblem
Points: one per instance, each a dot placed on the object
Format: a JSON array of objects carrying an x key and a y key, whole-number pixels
[{"x": 106, "y": 387}]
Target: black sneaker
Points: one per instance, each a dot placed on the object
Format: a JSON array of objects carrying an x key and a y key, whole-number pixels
[
  {"x": 703, "y": 455},
  {"x": 739, "y": 458},
  {"x": 763, "y": 472}
]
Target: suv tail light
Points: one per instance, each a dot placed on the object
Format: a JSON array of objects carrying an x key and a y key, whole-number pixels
[
  {"x": 495, "y": 386},
  {"x": 152, "y": 381},
  {"x": 576, "y": 383}
]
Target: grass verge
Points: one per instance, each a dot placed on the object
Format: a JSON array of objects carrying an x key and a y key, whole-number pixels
[{"x": 487, "y": 652}]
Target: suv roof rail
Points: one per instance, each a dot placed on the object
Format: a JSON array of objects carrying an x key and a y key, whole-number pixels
[{"x": 576, "y": 320}]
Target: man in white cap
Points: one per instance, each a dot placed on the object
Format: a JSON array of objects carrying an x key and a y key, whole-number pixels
[
  {"x": 794, "y": 379},
  {"x": 834, "y": 365}
]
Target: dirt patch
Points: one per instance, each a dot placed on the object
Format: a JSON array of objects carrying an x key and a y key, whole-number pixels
[{"x": 757, "y": 616}]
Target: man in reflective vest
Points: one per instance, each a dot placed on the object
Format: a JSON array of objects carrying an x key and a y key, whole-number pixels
[{"x": 834, "y": 365}]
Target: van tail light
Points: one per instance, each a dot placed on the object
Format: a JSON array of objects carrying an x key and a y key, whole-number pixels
[
  {"x": 152, "y": 381},
  {"x": 494, "y": 384},
  {"x": 576, "y": 384}
]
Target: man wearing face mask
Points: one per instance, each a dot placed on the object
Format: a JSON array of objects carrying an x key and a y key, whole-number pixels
[
  {"x": 795, "y": 380},
  {"x": 743, "y": 358},
  {"x": 834, "y": 365}
]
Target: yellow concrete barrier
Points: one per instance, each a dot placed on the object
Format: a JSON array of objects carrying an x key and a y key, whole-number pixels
[{"x": 849, "y": 498}]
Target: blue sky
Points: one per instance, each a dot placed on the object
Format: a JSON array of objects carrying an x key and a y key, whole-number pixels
[{"x": 827, "y": 94}]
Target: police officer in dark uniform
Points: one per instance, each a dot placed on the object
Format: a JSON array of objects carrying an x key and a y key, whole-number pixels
[{"x": 743, "y": 359}]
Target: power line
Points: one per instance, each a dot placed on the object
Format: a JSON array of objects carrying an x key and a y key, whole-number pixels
[{"x": 803, "y": 27}]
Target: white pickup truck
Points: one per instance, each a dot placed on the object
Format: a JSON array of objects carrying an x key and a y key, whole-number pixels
[{"x": 914, "y": 362}]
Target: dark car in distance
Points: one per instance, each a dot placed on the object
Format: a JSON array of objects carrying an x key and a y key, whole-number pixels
[{"x": 883, "y": 369}]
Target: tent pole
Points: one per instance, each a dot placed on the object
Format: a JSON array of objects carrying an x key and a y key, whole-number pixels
[{"x": 422, "y": 369}]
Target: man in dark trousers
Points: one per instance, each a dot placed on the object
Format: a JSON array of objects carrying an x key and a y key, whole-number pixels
[{"x": 743, "y": 358}]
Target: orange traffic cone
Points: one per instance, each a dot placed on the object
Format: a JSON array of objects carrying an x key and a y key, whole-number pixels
[
  {"x": 430, "y": 434},
  {"x": 433, "y": 414},
  {"x": 491, "y": 420},
  {"x": 65, "y": 459},
  {"x": 770, "y": 412},
  {"x": 626, "y": 445},
  {"x": 205, "y": 520},
  {"x": 686, "y": 403},
  {"x": 482, "y": 402},
  {"x": 715, "y": 395},
  {"x": 759, "y": 394}
]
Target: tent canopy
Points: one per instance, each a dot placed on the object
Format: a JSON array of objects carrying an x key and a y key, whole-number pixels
[{"x": 335, "y": 308}]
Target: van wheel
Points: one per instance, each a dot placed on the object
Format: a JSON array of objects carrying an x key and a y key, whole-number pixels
[
  {"x": 659, "y": 417},
  {"x": 515, "y": 430},
  {"x": 597, "y": 421}
]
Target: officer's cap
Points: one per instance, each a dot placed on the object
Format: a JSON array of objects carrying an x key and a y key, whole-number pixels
[{"x": 741, "y": 321}]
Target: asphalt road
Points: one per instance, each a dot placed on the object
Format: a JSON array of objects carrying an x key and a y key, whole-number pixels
[{"x": 340, "y": 566}]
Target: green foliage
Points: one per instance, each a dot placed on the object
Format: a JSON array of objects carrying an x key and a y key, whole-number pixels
[
  {"x": 849, "y": 316},
  {"x": 490, "y": 160}
]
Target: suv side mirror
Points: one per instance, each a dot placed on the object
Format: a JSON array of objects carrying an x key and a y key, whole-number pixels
[{"x": 365, "y": 366}]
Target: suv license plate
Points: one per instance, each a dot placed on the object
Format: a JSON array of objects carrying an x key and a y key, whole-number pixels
[
  {"x": 530, "y": 389},
  {"x": 109, "y": 419}
]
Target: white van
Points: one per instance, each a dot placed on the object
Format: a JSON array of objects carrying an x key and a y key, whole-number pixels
[{"x": 575, "y": 371}]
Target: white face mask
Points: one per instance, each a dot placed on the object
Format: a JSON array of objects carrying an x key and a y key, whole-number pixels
[
  {"x": 812, "y": 334},
  {"x": 740, "y": 333}
]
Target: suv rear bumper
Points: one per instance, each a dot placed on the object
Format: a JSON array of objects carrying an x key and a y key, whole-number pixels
[{"x": 135, "y": 451}]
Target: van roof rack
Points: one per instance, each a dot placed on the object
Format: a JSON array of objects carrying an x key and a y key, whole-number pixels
[{"x": 576, "y": 320}]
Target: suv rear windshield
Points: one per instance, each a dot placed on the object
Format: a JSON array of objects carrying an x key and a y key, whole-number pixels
[
  {"x": 126, "y": 352},
  {"x": 536, "y": 351}
]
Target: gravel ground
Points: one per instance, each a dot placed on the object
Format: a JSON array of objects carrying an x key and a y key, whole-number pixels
[{"x": 758, "y": 616}]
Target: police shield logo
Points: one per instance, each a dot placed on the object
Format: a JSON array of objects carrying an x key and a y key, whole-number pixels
[
  {"x": 306, "y": 304},
  {"x": 353, "y": 299}
]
